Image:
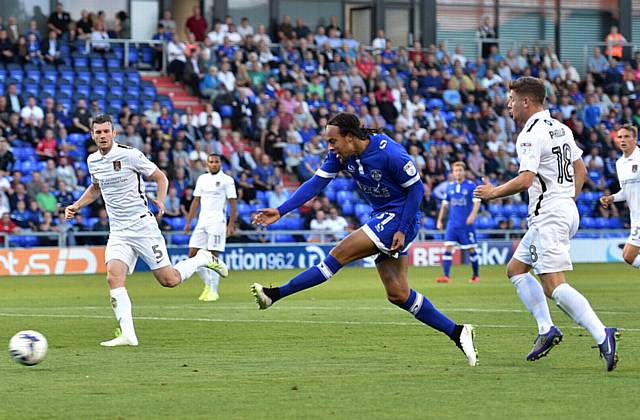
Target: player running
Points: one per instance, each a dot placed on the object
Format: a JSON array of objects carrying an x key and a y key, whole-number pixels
[
  {"x": 116, "y": 173},
  {"x": 212, "y": 191},
  {"x": 628, "y": 170},
  {"x": 391, "y": 183},
  {"x": 460, "y": 229},
  {"x": 552, "y": 170}
]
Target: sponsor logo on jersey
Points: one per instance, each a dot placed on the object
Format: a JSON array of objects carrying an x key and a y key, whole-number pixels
[
  {"x": 559, "y": 132},
  {"x": 217, "y": 184},
  {"x": 383, "y": 144},
  {"x": 376, "y": 174},
  {"x": 410, "y": 169},
  {"x": 117, "y": 165},
  {"x": 525, "y": 148}
]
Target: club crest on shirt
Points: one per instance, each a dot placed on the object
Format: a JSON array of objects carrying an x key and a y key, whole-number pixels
[
  {"x": 634, "y": 168},
  {"x": 117, "y": 165},
  {"x": 376, "y": 174},
  {"x": 217, "y": 183},
  {"x": 351, "y": 168},
  {"x": 410, "y": 169}
]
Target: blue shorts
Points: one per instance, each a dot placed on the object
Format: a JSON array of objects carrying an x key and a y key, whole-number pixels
[
  {"x": 381, "y": 228},
  {"x": 464, "y": 236}
]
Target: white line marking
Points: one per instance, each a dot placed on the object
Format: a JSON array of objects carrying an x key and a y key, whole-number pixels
[
  {"x": 269, "y": 321},
  {"x": 252, "y": 307}
]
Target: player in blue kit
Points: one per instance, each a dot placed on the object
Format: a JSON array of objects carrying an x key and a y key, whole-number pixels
[
  {"x": 463, "y": 208},
  {"x": 389, "y": 180}
]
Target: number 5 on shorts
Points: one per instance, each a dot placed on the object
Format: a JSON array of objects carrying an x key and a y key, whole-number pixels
[{"x": 157, "y": 252}]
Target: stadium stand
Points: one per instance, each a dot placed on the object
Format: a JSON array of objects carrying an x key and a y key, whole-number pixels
[{"x": 261, "y": 103}]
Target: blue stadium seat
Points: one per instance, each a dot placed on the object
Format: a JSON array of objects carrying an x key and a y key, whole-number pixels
[
  {"x": 179, "y": 239},
  {"x": 134, "y": 55},
  {"x": 602, "y": 223},
  {"x": 495, "y": 209},
  {"x": 429, "y": 223},
  {"x": 435, "y": 102},
  {"x": 97, "y": 62},
  {"x": 510, "y": 210},
  {"x": 588, "y": 223},
  {"x": 226, "y": 111},
  {"x": 330, "y": 193},
  {"x": 244, "y": 209},
  {"x": 80, "y": 61},
  {"x": 361, "y": 209},
  {"x": 147, "y": 55},
  {"x": 284, "y": 238},
  {"x": 113, "y": 62},
  {"x": 133, "y": 76},
  {"x": 177, "y": 223},
  {"x": 523, "y": 210},
  {"x": 516, "y": 221},
  {"x": 344, "y": 196},
  {"x": 347, "y": 208}
]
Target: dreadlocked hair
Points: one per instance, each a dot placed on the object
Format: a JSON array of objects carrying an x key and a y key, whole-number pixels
[{"x": 350, "y": 124}]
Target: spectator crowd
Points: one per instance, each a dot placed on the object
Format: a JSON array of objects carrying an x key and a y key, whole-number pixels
[{"x": 266, "y": 96}]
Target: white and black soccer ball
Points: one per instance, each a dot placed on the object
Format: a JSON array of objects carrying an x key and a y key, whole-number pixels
[{"x": 28, "y": 347}]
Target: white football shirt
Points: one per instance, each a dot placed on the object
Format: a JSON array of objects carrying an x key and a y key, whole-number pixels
[
  {"x": 119, "y": 176},
  {"x": 214, "y": 190},
  {"x": 546, "y": 147},
  {"x": 628, "y": 170}
]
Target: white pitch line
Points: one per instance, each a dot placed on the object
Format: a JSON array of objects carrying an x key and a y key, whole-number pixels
[
  {"x": 269, "y": 321},
  {"x": 306, "y": 308}
]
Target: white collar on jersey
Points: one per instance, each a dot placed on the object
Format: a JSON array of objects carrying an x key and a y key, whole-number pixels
[
  {"x": 541, "y": 114},
  {"x": 633, "y": 155}
]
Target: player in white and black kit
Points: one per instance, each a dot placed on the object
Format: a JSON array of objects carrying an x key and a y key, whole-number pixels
[
  {"x": 628, "y": 170},
  {"x": 552, "y": 170},
  {"x": 212, "y": 191},
  {"x": 116, "y": 173}
]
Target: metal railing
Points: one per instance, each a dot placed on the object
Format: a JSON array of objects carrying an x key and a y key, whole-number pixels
[
  {"x": 269, "y": 237},
  {"x": 89, "y": 43}
]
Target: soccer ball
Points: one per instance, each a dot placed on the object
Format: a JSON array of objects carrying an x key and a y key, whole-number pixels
[{"x": 28, "y": 347}]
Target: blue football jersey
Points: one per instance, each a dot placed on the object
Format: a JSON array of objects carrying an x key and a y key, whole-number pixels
[
  {"x": 460, "y": 200},
  {"x": 383, "y": 172}
]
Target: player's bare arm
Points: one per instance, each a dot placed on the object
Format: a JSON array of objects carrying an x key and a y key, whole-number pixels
[
  {"x": 163, "y": 185},
  {"x": 514, "y": 186},
  {"x": 193, "y": 209},
  {"x": 90, "y": 195},
  {"x": 580, "y": 175},
  {"x": 441, "y": 214},
  {"x": 474, "y": 212},
  {"x": 232, "y": 217}
]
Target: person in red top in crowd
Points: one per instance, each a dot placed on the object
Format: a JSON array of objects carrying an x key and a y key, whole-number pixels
[
  {"x": 47, "y": 147},
  {"x": 417, "y": 55},
  {"x": 7, "y": 226},
  {"x": 197, "y": 24},
  {"x": 365, "y": 64}
]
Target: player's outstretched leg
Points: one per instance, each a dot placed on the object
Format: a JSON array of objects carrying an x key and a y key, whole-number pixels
[
  {"x": 267, "y": 296},
  {"x": 533, "y": 297},
  {"x": 577, "y": 307},
  {"x": 121, "y": 304},
  {"x": 203, "y": 258},
  {"x": 355, "y": 246},
  {"x": 393, "y": 273},
  {"x": 474, "y": 259}
]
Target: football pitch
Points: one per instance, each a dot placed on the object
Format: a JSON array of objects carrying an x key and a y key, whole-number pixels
[{"x": 337, "y": 351}]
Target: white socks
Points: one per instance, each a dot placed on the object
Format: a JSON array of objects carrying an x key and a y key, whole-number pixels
[
  {"x": 578, "y": 308},
  {"x": 187, "y": 267},
  {"x": 532, "y": 295},
  {"x": 636, "y": 262},
  {"x": 209, "y": 278},
  {"x": 122, "y": 308}
]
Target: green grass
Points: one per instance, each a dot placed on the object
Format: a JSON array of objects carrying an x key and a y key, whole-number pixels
[{"x": 339, "y": 351}]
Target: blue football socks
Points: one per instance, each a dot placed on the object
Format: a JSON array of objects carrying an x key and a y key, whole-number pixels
[
  {"x": 310, "y": 277},
  {"x": 424, "y": 311},
  {"x": 446, "y": 263}
]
